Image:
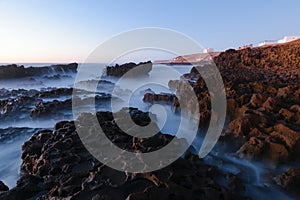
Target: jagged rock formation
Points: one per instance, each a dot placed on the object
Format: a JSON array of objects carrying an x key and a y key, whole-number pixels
[
  {"x": 15, "y": 71},
  {"x": 56, "y": 165},
  {"x": 133, "y": 69}
]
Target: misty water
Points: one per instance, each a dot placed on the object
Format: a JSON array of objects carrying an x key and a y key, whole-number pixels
[
  {"x": 122, "y": 96},
  {"x": 11, "y": 146}
]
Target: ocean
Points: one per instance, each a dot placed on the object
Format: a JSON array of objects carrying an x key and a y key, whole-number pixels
[
  {"x": 19, "y": 97},
  {"x": 39, "y": 97}
]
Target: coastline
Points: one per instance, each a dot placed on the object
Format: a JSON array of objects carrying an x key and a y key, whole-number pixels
[{"x": 256, "y": 155}]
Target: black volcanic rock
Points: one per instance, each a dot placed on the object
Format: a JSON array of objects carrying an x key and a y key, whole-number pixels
[
  {"x": 44, "y": 109},
  {"x": 289, "y": 179},
  {"x": 3, "y": 187},
  {"x": 56, "y": 165},
  {"x": 14, "y": 71},
  {"x": 162, "y": 97}
]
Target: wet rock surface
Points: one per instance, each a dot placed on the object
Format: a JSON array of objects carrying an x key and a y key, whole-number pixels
[
  {"x": 15, "y": 71},
  {"x": 262, "y": 86},
  {"x": 10, "y": 133},
  {"x": 265, "y": 102},
  {"x": 57, "y": 165},
  {"x": 289, "y": 179},
  {"x": 21, "y": 104},
  {"x": 3, "y": 187},
  {"x": 162, "y": 98}
]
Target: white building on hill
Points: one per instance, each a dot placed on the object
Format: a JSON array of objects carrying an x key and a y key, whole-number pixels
[
  {"x": 288, "y": 39},
  {"x": 208, "y": 50},
  {"x": 267, "y": 42},
  {"x": 285, "y": 39}
]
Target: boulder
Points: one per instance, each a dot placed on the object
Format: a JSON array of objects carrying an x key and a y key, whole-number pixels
[
  {"x": 56, "y": 165},
  {"x": 284, "y": 92},
  {"x": 3, "y": 187},
  {"x": 232, "y": 107},
  {"x": 256, "y": 100},
  {"x": 296, "y": 151},
  {"x": 252, "y": 149},
  {"x": 271, "y": 105},
  {"x": 286, "y": 114},
  {"x": 239, "y": 127},
  {"x": 289, "y": 179},
  {"x": 276, "y": 153},
  {"x": 162, "y": 98},
  {"x": 133, "y": 69},
  {"x": 286, "y": 135},
  {"x": 295, "y": 108}
]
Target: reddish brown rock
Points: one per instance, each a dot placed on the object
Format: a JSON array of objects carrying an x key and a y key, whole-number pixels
[
  {"x": 256, "y": 100},
  {"x": 284, "y": 92},
  {"x": 163, "y": 98},
  {"x": 239, "y": 127},
  {"x": 288, "y": 136},
  {"x": 271, "y": 105},
  {"x": 297, "y": 119},
  {"x": 232, "y": 107},
  {"x": 257, "y": 87},
  {"x": 276, "y": 153},
  {"x": 286, "y": 114},
  {"x": 252, "y": 149},
  {"x": 256, "y": 133},
  {"x": 295, "y": 108}
]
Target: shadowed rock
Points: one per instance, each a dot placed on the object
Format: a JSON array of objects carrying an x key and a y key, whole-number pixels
[
  {"x": 57, "y": 165},
  {"x": 142, "y": 68}
]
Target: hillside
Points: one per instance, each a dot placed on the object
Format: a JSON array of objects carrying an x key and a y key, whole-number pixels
[
  {"x": 263, "y": 110},
  {"x": 281, "y": 56}
]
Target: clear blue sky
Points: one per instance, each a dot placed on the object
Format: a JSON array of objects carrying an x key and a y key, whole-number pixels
[{"x": 66, "y": 31}]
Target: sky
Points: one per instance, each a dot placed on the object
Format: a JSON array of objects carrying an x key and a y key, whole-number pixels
[{"x": 68, "y": 31}]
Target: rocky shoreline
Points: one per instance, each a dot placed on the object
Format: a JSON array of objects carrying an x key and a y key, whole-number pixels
[
  {"x": 15, "y": 71},
  {"x": 263, "y": 107},
  {"x": 57, "y": 166},
  {"x": 263, "y": 119}
]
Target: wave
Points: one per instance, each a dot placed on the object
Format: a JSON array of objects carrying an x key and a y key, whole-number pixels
[{"x": 8, "y": 134}]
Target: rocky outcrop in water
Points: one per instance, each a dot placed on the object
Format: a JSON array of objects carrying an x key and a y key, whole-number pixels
[
  {"x": 15, "y": 71},
  {"x": 57, "y": 166},
  {"x": 133, "y": 69},
  {"x": 54, "y": 103},
  {"x": 162, "y": 97},
  {"x": 44, "y": 109},
  {"x": 263, "y": 101},
  {"x": 263, "y": 92},
  {"x": 3, "y": 187},
  {"x": 289, "y": 180},
  {"x": 193, "y": 84}
]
